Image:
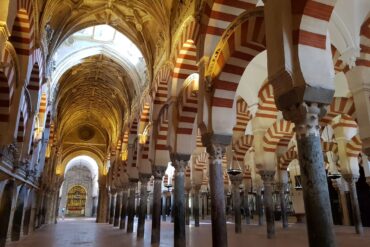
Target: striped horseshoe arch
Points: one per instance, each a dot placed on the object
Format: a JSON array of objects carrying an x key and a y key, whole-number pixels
[
  {"x": 160, "y": 89},
  {"x": 201, "y": 161},
  {"x": 364, "y": 59},
  {"x": 339, "y": 65},
  {"x": 340, "y": 105},
  {"x": 240, "y": 147},
  {"x": 354, "y": 147},
  {"x": 288, "y": 157},
  {"x": 330, "y": 147},
  {"x": 345, "y": 121},
  {"x": 185, "y": 56},
  {"x": 7, "y": 84},
  {"x": 279, "y": 134},
  {"x": 244, "y": 40},
  {"x": 218, "y": 15},
  {"x": 162, "y": 156},
  {"x": 266, "y": 105},
  {"x": 243, "y": 116},
  {"x": 22, "y": 36}
]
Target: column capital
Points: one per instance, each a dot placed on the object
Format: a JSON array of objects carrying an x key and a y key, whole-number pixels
[
  {"x": 144, "y": 177},
  {"x": 267, "y": 176},
  {"x": 196, "y": 187},
  {"x": 216, "y": 144},
  {"x": 306, "y": 117},
  {"x": 180, "y": 165},
  {"x": 158, "y": 172}
]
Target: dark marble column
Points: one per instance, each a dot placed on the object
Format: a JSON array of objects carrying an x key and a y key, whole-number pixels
[
  {"x": 102, "y": 203},
  {"x": 180, "y": 163},
  {"x": 236, "y": 180},
  {"x": 187, "y": 209},
  {"x": 314, "y": 182},
  {"x": 164, "y": 206},
  {"x": 284, "y": 214},
  {"x": 351, "y": 180},
  {"x": 204, "y": 196},
  {"x": 216, "y": 150},
  {"x": 144, "y": 179},
  {"x": 117, "y": 213},
  {"x": 196, "y": 189},
  {"x": 158, "y": 173},
  {"x": 246, "y": 208},
  {"x": 268, "y": 180},
  {"x": 122, "y": 223},
  {"x": 131, "y": 205},
  {"x": 259, "y": 206},
  {"x": 111, "y": 207}
]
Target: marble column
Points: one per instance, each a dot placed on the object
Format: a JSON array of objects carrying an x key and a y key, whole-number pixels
[
  {"x": 340, "y": 188},
  {"x": 216, "y": 150},
  {"x": 180, "y": 163},
  {"x": 111, "y": 207},
  {"x": 236, "y": 180},
  {"x": 158, "y": 173},
  {"x": 117, "y": 213},
  {"x": 196, "y": 189},
  {"x": 131, "y": 205},
  {"x": 246, "y": 208},
  {"x": 122, "y": 223},
  {"x": 187, "y": 209},
  {"x": 259, "y": 206},
  {"x": 268, "y": 180},
  {"x": 102, "y": 203},
  {"x": 164, "y": 206},
  {"x": 314, "y": 182},
  {"x": 351, "y": 180},
  {"x": 144, "y": 179},
  {"x": 284, "y": 214},
  {"x": 204, "y": 196}
]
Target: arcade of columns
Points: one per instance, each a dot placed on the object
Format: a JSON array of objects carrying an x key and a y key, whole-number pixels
[{"x": 185, "y": 111}]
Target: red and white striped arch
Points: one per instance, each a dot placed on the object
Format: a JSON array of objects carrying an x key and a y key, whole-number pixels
[
  {"x": 354, "y": 147},
  {"x": 240, "y": 147},
  {"x": 21, "y": 128},
  {"x": 22, "y": 34},
  {"x": 330, "y": 147},
  {"x": 217, "y": 16},
  {"x": 162, "y": 156},
  {"x": 339, "y": 65},
  {"x": 185, "y": 56},
  {"x": 201, "y": 161},
  {"x": 242, "y": 117},
  {"x": 8, "y": 79},
  {"x": 364, "y": 59},
  {"x": 340, "y": 105},
  {"x": 279, "y": 134},
  {"x": 240, "y": 44},
  {"x": 346, "y": 121},
  {"x": 289, "y": 156},
  {"x": 266, "y": 105},
  {"x": 247, "y": 174},
  {"x": 160, "y": 88},
  {"x": 144, "y": 117}
]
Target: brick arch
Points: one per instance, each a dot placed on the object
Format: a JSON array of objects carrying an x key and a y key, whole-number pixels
[
  {"x": 144, "y": 117},
  {"x": 22, "y": 36},
  {"x": 311, "y": 19},
  {"x": 364, "y": 59},
  {"x": 8, "y": 81},
  {"x": 240, "y": 147},
  {"x": 339, "y": 65},
  {"x": 162, "y": 156},
  {"x": 216, "y": 18},
  {"x": 354, "y": 147},
  {"x": 201, "y": 161},
  {"x": 185, "y": 55},
  {"x": 290, "y": 155},
  {"x": 34, "y": 84},
  {"x": 266, "y": 105},
  {"x": 21, "y": 128},
  {"x": 279, "y": 134},
  {"x": 160, "y": 88},
  {"x": 340, "y": 105},
  {"x": 243, "y": 116},
  {"x": 235, "y": 51}
]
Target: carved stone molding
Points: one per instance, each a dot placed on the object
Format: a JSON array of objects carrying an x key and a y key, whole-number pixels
[
  {"x": 144, "y": 177},
  {"x": 267, "y": 176},
  {"x": 158, "y": 172}
]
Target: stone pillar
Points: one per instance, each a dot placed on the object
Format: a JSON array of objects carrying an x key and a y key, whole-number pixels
[
  {"x": 180, "y": 164},
  {"x": 111, "y": 207},
  {"x": 268, "y": 180},
  {"x": 122, "y": 223},
  {"x": 246, "y": 207},
  {"x": 236, "y": 180},
  {"x": 351, "y": 180},
  {"x": 216, "y": 150},
  {"x": 117, "y": 213},
  {"x": 158, "y": 173},
  {"x": 187, "y": 209},
  {"x": 144, "y": 179},
  {"x": 339, "y": 186},
  {"x": 196, "y": 189},
  {"x": 284, "y": 214},
  {"x": 164, "y": 206},
  {"x": 102, "y": 203},
  {"x": 314, "y": 182},
  {"x": 204, "y": 196},
  {"x": 131, "y": 205},
  {"x": 259, "y": 206}
]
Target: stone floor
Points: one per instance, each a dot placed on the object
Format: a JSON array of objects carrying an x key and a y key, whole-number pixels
[{"x": 84, "y": 232}]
